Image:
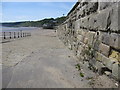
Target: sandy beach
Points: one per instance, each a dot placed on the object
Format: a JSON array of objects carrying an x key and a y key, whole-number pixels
[{"x": 42, "y": 61}]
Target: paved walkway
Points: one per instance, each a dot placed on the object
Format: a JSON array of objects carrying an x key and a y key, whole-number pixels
[{"x": 45, "y": 63}]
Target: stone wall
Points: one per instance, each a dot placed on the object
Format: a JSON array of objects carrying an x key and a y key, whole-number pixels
[{"x": 92, "y": 32}]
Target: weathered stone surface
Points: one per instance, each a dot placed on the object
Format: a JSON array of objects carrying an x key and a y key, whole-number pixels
[
  {"x": 92, "y": 21},
  {"x": 80, "y": 49},
  {"x": 91, "y": 37},
  {"x": 99, "y": 65},
  {"x": 114, "y": 18},
  {"x": 103, "y": 20},
  {"x": 119, "y": 17},
  {"x": 85, "y": 22},
  {"x": 96, "y": 41},
  {"x": 85, "y": 40},
  {"x": 69, "y": 46},
  {"x": 81, "y": 22},
  {"x": 80, "y": 38},
  {"x": 115, "y": 40},
  {"x": 95, "y": 31},
  {"x": 84, "y": 32},
  {"x": 111, "y": 40},
  {"x": 116, "y": 71},
  {"x": 96, "y": 45},
  {"x": 100, "y": 21},
  {"x": 77, "y": 25},
  {"x": 82, "y": 14},
  {"x": 100, "y": 36},
  {"x": 91, "y": 7},
  {"x": 104, "y": 49},
  {"x": 108, "y": 62},
  {"x": 104, "y": 5},
  {"x": 115, "y": 55},
  {"x": 93, "y": 62},
  {"x": 106, "y": 38},
  {"x": 79, "y": 31},
  {"x": 98, "y": 56},
  {"x": 108, "y": 73},
  {"x": 78, "y": 54}
]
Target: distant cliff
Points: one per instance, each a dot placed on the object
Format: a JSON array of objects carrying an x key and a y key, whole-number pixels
[{"x": 40, "y": 23}]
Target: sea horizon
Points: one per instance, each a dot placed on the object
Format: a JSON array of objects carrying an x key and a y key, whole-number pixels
[{"x": 7, "y": 29}]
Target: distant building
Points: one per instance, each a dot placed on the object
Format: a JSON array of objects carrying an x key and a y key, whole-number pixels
[{"x": 49, "y": 25}]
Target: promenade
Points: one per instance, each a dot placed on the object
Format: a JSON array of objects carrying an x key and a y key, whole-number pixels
[{"x": 42, "y": 61}]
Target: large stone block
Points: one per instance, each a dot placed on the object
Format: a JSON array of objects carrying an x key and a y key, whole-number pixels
[
  {"x": 91, "y": 37},
  {"x": 106, "y": 19},
  {"x": 103, "y": 20},
  {"x": 111, "y": 40},
  {"x": 86, "y": 22},
  {"x": 119, "y": 17},
  {"x": 80, "y": 13},
  {"x": 114, "y": 13},
  {"x": 116, "y": 71},
  {"x": 77, "y": 25},
  {"x": 91, "y": 7},
  {"x": 106, "y": 38},
  {"x": 108, "y": 62},
  {"x": 104, "y": 49},
  {"x": 81, "y": 23},
  {"x": 92, "y": 21},
  {"x": 115, "y": 55},
  {"x": 104, "y": 5},
  {"x": 115, "y": 40}
]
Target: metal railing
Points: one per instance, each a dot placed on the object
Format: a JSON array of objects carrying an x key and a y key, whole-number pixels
[{"x": 7, "y": 36}]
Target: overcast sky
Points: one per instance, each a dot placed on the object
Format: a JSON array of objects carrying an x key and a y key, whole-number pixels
[{"x": 29, "y": 11}]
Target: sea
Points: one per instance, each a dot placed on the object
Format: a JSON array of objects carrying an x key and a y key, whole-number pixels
[{"x": 11, "y": 29}]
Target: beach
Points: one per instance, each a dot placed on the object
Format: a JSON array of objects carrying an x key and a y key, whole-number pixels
[
  {"x": 17, "y": 49},
  {"x": 42, "y": 61}
]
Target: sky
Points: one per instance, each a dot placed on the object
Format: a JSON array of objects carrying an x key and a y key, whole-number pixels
[{"x": 33, "y": 11}]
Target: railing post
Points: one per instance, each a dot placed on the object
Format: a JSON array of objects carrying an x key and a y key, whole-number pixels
[
  {"x": 21, "y": 33},
  {"x": 14, "y": 35},
  {"x": 4, "y": 35},
  {"x": 10, "y": 34},
  {"x": 18, "y": 34}
]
